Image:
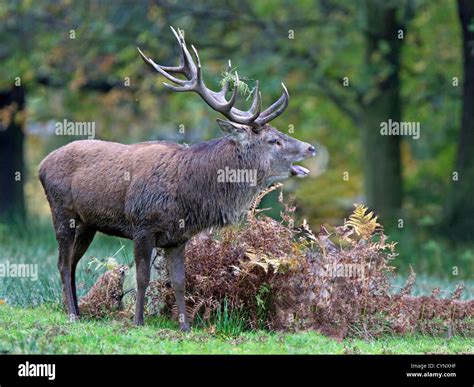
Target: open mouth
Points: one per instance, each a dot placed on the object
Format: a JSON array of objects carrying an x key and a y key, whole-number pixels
[{"x": 298, "y": 171}]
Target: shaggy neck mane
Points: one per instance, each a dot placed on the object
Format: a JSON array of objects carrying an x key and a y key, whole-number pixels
[{"x": 207, "y": 201}]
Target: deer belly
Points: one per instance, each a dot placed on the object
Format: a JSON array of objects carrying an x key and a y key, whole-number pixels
[{"x": 102, "y": 209}]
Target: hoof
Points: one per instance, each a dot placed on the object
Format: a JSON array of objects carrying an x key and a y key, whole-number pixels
[{"x": 185, "y": 328}]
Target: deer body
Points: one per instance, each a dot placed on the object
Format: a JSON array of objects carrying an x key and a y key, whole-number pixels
[
  {"x": 159, "y": 193},
  {"x": 117, "y": 189}
]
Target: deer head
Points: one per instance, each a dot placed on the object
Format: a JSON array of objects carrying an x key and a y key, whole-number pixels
[{"x": 277, "y": 152}]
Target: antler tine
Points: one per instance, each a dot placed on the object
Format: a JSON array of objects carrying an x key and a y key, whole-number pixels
[
  {"x": 257, "y": 99},
  {"x": 180, "y": 69},
  {"x": 213, "y": 99},
  {"x": 219, "y": 103},
  {"x": 160, "y": 69},
  {"x": 197, "y": 56},
  {"x": 187, "y": 55},
  {"x": 185, "y": 67},
  {"x": 276, "y": 104},
  {"x": 179, "y": 36},
  {"x": 256, "y": 106},
  {"x": 251, "y": 115},
  {"x": 182, "y": 60},
  {"x": 189, "y": 87},
  {"x": 198, "y": 78},
  {"x": 275, "y": 109}
]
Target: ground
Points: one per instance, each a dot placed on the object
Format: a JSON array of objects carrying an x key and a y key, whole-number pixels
[{"x": 45, "y": 329}]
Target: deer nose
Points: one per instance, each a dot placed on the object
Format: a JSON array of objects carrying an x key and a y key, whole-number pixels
[{"x": 312, "y": 150}]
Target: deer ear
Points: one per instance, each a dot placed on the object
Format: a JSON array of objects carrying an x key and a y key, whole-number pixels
[{"x": 232, "y": 128}]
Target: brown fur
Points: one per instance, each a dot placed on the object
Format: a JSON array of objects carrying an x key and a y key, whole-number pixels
[{"x": 159, "y": 194}]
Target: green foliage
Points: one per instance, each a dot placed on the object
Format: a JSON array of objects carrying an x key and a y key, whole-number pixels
[
  {"x": 229, "y": 321},
  {"x": 421, "y": 247}
]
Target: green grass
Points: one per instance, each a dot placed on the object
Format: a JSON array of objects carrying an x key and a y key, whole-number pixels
[
  {"x": 36, "y": 244},
  {"x": 45, "y": 329}
]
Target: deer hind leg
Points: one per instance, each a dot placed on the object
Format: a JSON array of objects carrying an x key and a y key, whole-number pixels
[
  {"x": 143, "y": 249},
  {"x": 175, "y": 261},
  {"x": 73, "y": 240},
  {"x": 82, "y": 239},
  {"x": 65, "y": 236}
]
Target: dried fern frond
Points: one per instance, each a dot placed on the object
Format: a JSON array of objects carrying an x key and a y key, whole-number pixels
[
  {"x": 261, "y": 259},
  {"x": 105, "y": 297},
  {"x": 457, "y": 293},
  {"x": 256, "y": 202},
  {"x": 410, "y": 282},
  {"x": 363, "y": 223}
]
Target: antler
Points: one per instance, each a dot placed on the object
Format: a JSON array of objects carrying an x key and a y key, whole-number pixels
[{"x": 216, "y": 100}]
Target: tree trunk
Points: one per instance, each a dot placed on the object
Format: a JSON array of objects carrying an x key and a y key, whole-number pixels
[
  {"x": 381, "y": 153},
  {"x": 12, "y": 201},
  {"x": 459, "y": 212}
]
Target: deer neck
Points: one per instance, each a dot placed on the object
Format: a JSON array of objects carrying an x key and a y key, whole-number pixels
[{"x": 226, "y": 178}]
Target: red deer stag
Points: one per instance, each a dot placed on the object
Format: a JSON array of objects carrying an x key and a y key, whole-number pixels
[{"x": 160, "y": 194}]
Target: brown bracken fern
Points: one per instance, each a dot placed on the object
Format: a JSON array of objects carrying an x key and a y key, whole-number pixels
[{"x": 337, "y": 281}]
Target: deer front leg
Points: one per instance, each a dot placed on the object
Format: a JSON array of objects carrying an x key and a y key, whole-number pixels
[
  {"x": 175, "y": 261},
  {"x": 143, "y": 248}
]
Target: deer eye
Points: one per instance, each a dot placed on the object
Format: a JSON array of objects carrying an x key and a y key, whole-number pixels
[{"x": 274, "y": 141}]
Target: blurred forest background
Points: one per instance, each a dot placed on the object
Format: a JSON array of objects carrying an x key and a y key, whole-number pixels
[{"x": 348, "y": 65}]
